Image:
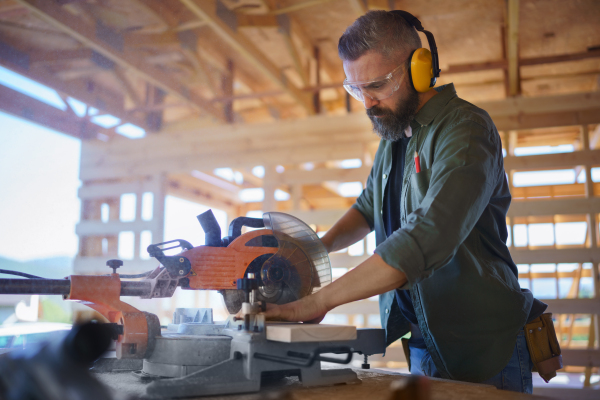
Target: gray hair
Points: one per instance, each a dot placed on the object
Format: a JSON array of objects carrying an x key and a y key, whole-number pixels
[{"x": 381, "y": 31}]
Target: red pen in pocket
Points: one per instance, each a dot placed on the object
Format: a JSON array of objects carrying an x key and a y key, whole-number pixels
[{"x": 417, "y": 163}]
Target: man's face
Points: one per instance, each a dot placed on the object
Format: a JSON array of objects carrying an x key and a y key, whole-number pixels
[{"x": 391, "y": 116}]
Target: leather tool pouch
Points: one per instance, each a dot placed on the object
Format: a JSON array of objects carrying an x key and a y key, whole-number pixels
[{"x": 543, "y": 346}]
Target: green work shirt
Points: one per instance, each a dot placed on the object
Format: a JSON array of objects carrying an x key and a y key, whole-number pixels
[{"x": 452, "y": 240}]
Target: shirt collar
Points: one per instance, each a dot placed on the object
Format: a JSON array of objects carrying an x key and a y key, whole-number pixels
[{"x": 432, "y": 108}]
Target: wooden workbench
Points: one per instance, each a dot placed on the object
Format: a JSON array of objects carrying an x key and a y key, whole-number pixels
[{"x": 374, "y": 384}]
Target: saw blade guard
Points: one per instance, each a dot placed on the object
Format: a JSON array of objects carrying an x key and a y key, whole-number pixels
[{"x": 302, "y": 250}]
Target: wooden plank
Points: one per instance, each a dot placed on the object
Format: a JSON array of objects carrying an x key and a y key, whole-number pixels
[
  {"x": 86, "y": 33},
  {"x": 503, "y": 64},
  {"x": 573, "y": 306},
  {"x": 38, "y": 112},
  {"x": 317, "y": 176},
  {"x": 294, "y": 333},
  {"x": 553, "y": 256},
  {"x": 581, "y": 357},
  {"x": 524, "y": 208},
  {"x": 319, "y": 217},
  {"x": 99, "y": 228},
  {"x": 552, "y": 161}
]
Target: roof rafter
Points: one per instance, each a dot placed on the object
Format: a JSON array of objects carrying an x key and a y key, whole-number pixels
[
  {"x": 207, "y": 11},
  {"x": 110, "y": 45}
]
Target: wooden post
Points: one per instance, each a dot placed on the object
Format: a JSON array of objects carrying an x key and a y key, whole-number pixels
[
  {"x": 513, "y": 47},
  {"x": 158, "y": 212},
  {"x": 227, "y": 88},
  {"x": 269, "y": 186},
  {"x": 317, "y": 95}
]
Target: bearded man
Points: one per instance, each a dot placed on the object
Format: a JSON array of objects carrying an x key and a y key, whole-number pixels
[{"x": 441, "y": 266}]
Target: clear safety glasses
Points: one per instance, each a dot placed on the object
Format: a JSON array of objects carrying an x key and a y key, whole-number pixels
[{"x": 377, "y": 89}]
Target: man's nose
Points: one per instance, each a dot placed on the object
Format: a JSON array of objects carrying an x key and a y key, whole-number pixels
[{"x": 369, "y": 102}]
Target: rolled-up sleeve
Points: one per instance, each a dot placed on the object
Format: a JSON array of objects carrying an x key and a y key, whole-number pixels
[{"x": 465, "y": 169}]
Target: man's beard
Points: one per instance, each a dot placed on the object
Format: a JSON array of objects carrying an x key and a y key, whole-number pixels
[{"x": 391, "y": 124}]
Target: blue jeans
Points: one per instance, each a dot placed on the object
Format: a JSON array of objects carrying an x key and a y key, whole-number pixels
[{"x": 516, "y": 376}]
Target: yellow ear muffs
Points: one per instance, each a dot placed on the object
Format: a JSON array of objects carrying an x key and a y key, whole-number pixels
[{"x": 421, "y": 70}]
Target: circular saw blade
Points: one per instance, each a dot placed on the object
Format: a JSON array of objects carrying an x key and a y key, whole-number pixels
[
  {"x": 283, "y": 277},
  {"x": 298, "y": 267}
]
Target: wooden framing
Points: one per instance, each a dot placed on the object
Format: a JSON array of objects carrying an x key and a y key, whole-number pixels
[{"x": 87, "y": 35}]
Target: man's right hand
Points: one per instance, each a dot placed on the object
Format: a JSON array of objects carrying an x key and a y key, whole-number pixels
[{"x": 308, "y": 309}]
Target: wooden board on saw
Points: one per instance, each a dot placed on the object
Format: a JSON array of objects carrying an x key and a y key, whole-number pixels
[{"x": 292, "y": 333}]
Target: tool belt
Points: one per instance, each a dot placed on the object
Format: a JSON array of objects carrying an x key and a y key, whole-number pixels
[{"x": 543, "y": 346}]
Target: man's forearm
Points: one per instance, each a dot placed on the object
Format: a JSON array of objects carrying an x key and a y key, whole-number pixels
[
  {"x": 351, "y": 228},
  {"x": 370, "y": 278}
]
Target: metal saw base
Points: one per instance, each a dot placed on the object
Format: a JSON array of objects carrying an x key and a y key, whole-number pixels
[{"x": 231, "y": 360}]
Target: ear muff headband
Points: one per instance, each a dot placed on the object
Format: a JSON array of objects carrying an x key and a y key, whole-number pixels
[{"x": 424, "y": 66}]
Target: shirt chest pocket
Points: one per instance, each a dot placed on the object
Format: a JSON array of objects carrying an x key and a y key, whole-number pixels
[{"x": 419, "y": 184}]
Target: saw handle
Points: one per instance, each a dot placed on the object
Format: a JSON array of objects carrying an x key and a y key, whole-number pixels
[{"x": 308, "y": 359}]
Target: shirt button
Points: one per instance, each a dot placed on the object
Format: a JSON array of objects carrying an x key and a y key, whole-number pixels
[
  {"x": 384, "y": 176},
  {"x": 387, "y": 311}
]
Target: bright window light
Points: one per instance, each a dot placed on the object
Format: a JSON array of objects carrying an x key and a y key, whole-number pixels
[
  {"x": 337, "y": 272},
  {"x": 541, "y": 234},
  {"x": 523, "y": 268},
  {"x": 106, "y": 121},
  {"x": 351, "y": 163},
  {"x": 238, "y": 177},
  {"x": 147, "y": 206},
  {"x": 104, "y": 212},
  {"x": 126, "y": 241},
  {"x": 145, "y": 241},
  {"x": 595, "y": 175},
  {"x": 308, "y": 166},
  {"x": 127, "y": 209},
  {"x": 93, "y": 111},
  {"x": 225, "y": 173},
  {"x": 252, "y": 195},
  {"x": 581, "y": 178},
  {"x": 520, "y": 232},
  {"x": 541, "y": 178},
  {"x": 280, "y": 169},
  {"x": 31, "y": 88},
  {"x": 529, "y": 151},
  {"x": 571, "y": 232},
  {"x": 541, "y": 268},
  {"x": 544, "y": 288},
  {"x": 259, "y": 171},
  {"x": 357, "y": 249},
  {"x": 181, "y": 221},
  {"x": 503, "y": 152},
  {"x": 254, "y": 214},
  {"x": 350, "y": 189},
  {"x": 280, "y": 195},
  {"x": 371, "y": 243},
  {"x": 78, "y": 107},
  {"x": 131, "y": 131}
]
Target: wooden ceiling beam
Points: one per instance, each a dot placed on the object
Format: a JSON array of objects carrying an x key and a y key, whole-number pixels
[
  {"x": 60, "y": 55},
  {"x": 207, "y": 11},
  {"x": 30, "y": 109},
  {"x": 523, "y": 62},
  {"x": 111, "y": 46},
  {"x": 90, "y": 93},
  {"x": 360, "y": 7}
]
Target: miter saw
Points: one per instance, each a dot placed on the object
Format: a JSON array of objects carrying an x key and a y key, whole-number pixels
[{"x": 282, "y": 260}]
